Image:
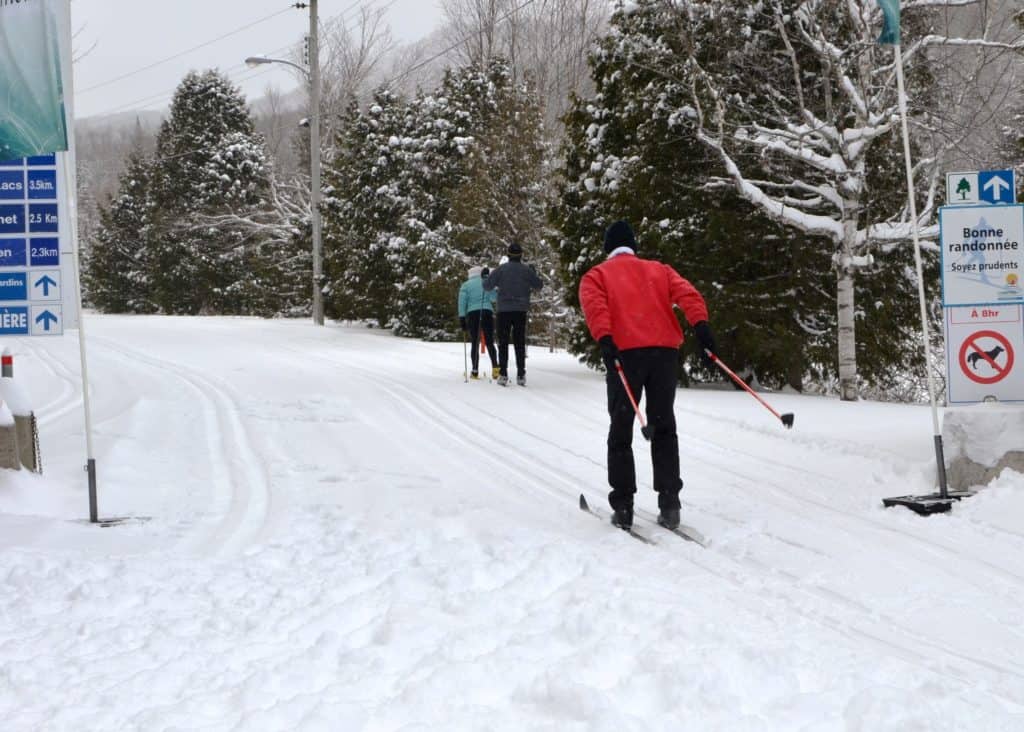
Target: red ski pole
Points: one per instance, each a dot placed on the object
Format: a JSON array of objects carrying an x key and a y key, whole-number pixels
[
  {"x": 644, "y": 429},
  {"x": 786, "y": 419}
]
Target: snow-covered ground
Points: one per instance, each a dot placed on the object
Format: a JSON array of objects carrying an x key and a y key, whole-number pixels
[{"x": 344, "y": 535}]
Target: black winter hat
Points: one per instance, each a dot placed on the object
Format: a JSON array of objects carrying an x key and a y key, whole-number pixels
[
  {"x": 514, "y": 250},
  {"x": 619, "y": 234}
]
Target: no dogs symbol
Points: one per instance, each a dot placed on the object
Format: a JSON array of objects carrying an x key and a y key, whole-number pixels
[{"x": 986, "y": 357}]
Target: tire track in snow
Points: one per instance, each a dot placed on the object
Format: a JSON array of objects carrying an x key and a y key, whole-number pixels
[{"x": 239, "y": 471}]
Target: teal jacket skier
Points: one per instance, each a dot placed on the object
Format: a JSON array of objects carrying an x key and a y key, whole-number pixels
[{"x": 476, "y": 314}]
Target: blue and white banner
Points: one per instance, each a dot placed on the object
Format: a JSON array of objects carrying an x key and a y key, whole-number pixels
[{"x": 35, "y": 55}]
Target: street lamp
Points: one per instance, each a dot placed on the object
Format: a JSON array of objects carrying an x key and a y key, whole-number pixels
[
  {"x": 313, "y": 77},
  {"x": 254, "y": 61}
]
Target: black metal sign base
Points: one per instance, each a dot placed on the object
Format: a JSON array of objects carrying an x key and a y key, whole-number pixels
[
  {"x": 928, "y": 504},
  {"x": 106, "y": 523}
]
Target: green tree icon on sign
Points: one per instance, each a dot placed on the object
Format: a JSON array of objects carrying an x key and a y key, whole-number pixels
[{"x": 963, "y": 189}]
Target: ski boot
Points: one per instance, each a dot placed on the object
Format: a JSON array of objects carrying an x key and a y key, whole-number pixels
[
  {"x": 502, "y": 381},
  {"x": 495, "y": 372},
  {"x": 521, "y": 380},
  {"x": 669, "y": 518},
  {"x": 475, "y": 375},
  {"x": 623, "y": 518}
]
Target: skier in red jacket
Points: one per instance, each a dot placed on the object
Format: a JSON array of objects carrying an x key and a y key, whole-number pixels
[{"x": 628, "y": 305}]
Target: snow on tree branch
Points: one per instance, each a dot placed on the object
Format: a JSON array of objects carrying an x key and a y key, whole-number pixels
[
  {"x": 935, "y": 40},
  {"x": 772, "y": 141},
  {"x": 809, "y": 223}
]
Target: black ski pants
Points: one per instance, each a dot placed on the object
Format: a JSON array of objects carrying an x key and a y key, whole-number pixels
[
  {"x": 654, "y": 372},
  {"x": 512, "y": 325},
  {"x": 477, "y": 320}
]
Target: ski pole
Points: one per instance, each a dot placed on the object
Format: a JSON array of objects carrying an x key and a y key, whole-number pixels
[
  {"x": 644, "y": 429},
  {"x": 465, "y": 363},
  {"x": 786, "y": 419}
]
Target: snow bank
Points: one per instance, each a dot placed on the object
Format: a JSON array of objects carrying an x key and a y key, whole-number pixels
[
  {"x": 983, "y": 432},
  {"x": 980, "y": 441},
  {"x": 15, "y": 397}
]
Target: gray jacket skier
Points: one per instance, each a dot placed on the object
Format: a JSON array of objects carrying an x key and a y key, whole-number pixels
[{"x": 514, "y": 282}]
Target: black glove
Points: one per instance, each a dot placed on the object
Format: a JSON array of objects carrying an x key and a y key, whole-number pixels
[
  {"x": 484, "y": 272},
  {"x": 462, "y": 323},
  {"x": 609, "y": 352},
  {"x": 707, "y": 342}
]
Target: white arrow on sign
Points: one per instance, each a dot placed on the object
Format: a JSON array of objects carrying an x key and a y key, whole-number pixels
[{"x": 997, "y": 185}]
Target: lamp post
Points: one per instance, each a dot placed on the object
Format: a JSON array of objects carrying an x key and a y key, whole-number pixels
[{"x": 313, "y": 76}]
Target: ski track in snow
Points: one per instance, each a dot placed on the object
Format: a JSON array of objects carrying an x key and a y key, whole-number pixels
[
  {"x": 374, "y": 545},
  {"x": 241, "y": 477},
  {"x": 892, "y": 637},
  {"x": 68, "y": 399}
]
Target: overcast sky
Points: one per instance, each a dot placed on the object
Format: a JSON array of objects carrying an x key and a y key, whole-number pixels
[{"x": 130, "y": 35}]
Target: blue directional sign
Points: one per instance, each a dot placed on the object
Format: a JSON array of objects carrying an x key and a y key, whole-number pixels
[
  {"x": 13, "y": 287},
  {"x": 13, "y": 252},
  {"x": 31, "y": 280},
  {"x": 12, "y": 219},
  {"x": 997, "y": 186},
  {"x": 46, "y": 319},
  {"x": 42, "y": 218},
  {"x": 45, "y": 285},
  {"x": 44, "y": 252},
  {"x": 12, "y": 185},
  {"x": 14, "y": 320},
  {"x": 42, "y": 184}
]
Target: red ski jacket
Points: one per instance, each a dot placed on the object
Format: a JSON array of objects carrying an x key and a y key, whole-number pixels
[{"x": 631, "y": 300}]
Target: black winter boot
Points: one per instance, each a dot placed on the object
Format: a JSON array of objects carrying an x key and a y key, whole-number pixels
[
  {"x": 623, "y": 518},
  {"x": 669, "y": 518}
]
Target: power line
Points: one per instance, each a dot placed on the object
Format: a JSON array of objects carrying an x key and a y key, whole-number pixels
[
  {"x": 168, "y": 93},
  {"x": 165, "y": 95},
  {"x": 455, "y": 45},
  {"x": 178, "y": 55}
]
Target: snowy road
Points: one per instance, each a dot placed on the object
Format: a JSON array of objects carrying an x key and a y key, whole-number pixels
[{"x": 345, "y": 536}]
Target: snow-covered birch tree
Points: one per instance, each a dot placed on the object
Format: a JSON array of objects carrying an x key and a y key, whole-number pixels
[{"x": 802, "y": 88}]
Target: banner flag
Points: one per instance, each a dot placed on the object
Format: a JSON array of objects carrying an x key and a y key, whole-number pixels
[
  {"x": 891, "y": 30},
  {"x": 33, "y": 51}
]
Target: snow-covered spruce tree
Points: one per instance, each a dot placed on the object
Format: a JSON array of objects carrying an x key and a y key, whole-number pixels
[
  {"x": 209, "y": 161},
  {"x": 114, "y": 279},
  {"x": 446, "y": 126},
  {"x": 504, "y": 197},
  {"x": 366, "y": 200},
  {"x": 396, "y": 249},
  {"x": 804, "y": 86},
  {"x": 626, "y": 158}
]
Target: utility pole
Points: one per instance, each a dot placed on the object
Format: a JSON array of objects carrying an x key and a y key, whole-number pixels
[{"x": 314, "y": 156}]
